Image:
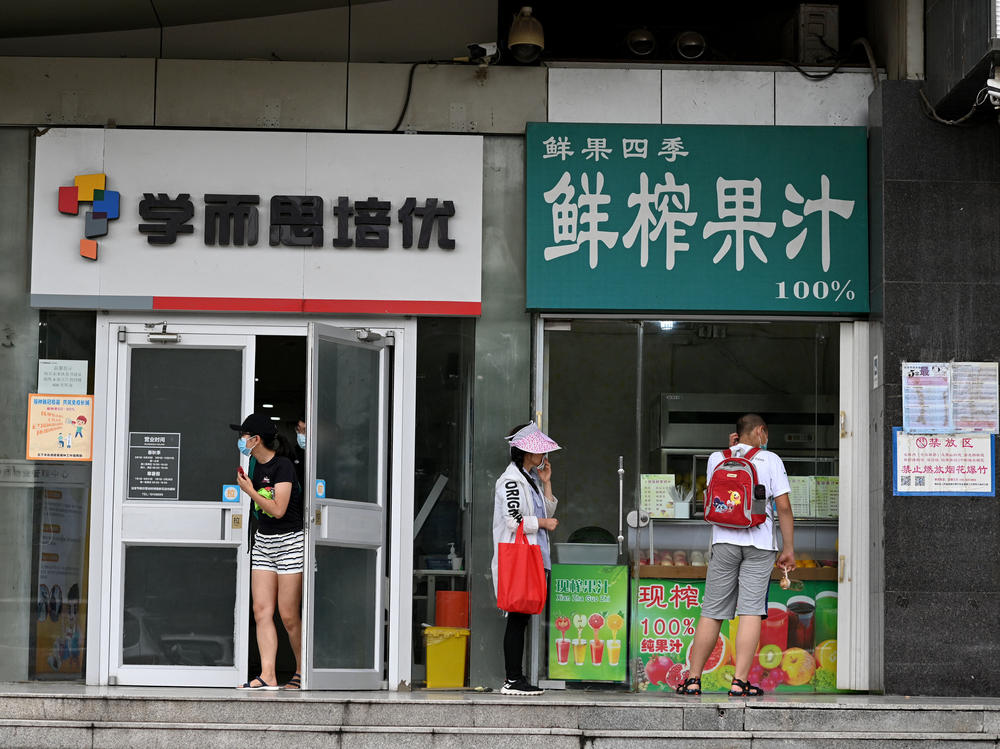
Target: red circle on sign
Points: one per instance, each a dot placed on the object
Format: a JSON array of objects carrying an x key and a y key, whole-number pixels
[{"x": 921, "y": 442}]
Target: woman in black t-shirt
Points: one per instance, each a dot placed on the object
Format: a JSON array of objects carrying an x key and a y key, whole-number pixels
[{"x": 276, "y": 562}]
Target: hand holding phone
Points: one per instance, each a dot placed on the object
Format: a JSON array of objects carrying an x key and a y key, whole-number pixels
[{"x": 240, "y": 470}]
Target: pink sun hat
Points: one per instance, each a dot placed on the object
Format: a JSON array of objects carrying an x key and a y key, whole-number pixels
[{"x": 531, "y": 439}]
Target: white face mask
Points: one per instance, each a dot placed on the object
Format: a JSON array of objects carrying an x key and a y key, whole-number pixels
[{"x": 300, "y": 439}]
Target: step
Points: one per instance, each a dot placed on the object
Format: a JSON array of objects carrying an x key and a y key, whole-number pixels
[
  {"x": 580, "y": 711},
  {"x": 136, "y": 735}
]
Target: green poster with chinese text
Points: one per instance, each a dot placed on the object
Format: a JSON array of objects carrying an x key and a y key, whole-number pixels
[{"x": 587, "y": 640}]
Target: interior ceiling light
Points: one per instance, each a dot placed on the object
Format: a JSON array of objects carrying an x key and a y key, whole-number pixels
[
  {"x": 691, "y": 45},
  {"x": 640, "y": 42},
  {"x": 526, "y": 39}
]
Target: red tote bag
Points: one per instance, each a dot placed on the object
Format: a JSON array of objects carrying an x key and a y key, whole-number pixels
[{"x": 521, "y": 585}]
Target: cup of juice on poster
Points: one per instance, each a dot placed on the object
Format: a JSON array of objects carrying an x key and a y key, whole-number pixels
[
  {"x": 587, "y": 609},
  {"x": 801, "y": 621},
  {"x": 774, "y": 629},
  {"x": 826, "y": 616},
  {"x": 615, "y": 623}
]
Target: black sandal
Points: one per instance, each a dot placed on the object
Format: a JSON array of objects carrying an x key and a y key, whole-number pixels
[
  {"x": 746, "y": 689},
  {"x": 685, "y": 688}
]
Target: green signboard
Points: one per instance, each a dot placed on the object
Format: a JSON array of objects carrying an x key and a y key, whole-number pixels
[
  {"x": 705, "y": 218},
  {"x": 798, "y": 640},
  {"x": 587, "y": 622}
]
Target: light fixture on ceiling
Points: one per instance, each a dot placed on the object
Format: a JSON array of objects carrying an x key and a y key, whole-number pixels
[
  {"x": 267, "y": 405},
  {"x": 691, "y": 45},
  {"x": 526, "y": 39},
  {"x": 640, "y": 42}
]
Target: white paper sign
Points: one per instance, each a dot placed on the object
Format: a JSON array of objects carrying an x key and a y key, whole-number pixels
[
  {"x": 943, "y": 464},
  {"x": 62, "y": 376}
]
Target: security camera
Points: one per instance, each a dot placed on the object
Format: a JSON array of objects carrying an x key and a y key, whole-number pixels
[
  {"x": 993, "y": 90},
  {"x": 482, "y": 51},
  {"x": 691, "y": 45},
  {"x": 640, "y": 42},
  {"x": 526, "y": 39}
]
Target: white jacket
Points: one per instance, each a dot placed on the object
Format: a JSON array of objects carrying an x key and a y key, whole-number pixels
[{"x": 512, "y": 502}]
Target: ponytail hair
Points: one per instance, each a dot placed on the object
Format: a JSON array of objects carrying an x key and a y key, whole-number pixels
[{"x": 279, "y": 444}]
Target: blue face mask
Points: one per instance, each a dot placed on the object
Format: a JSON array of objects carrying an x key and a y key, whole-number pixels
[
  {"x": 764, "y": 446},
  {"x": 242, "y": 445},
  {"x": 300, "y": 439}
]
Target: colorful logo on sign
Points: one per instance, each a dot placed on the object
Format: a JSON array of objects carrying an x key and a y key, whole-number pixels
[{"x": 105, "y": 204}]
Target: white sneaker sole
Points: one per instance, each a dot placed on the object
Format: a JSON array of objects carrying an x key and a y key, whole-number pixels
[{"x": 523, "y": 693}]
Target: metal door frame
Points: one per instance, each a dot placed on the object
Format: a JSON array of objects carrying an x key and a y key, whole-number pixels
[{"x": 401, "y": 469}]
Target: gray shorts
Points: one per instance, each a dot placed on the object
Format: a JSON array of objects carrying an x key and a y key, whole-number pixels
[{"x": 737, "y": 581}]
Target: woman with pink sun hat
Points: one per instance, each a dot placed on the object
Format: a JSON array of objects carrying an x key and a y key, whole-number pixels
[{"x": 523, "y": 494}]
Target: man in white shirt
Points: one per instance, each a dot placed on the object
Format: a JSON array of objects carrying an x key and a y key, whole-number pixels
[{"x": 739, "y": 571}]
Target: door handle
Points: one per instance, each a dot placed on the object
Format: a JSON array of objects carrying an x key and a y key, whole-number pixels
[
  {"x": 843, "y": 424},
  {"x": 843, "y": 567}
]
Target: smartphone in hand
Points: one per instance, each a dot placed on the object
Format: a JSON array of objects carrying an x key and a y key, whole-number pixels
[{"x": 240, "y": 470}]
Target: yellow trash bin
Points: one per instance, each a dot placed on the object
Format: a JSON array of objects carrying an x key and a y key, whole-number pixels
[{"x": 445, "y": 656}]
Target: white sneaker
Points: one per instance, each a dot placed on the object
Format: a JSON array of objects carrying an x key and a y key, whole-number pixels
[{"x": 519, "y": 686}]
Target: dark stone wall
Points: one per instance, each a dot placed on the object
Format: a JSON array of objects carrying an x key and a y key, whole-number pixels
[{"x": 936, "y": 287}]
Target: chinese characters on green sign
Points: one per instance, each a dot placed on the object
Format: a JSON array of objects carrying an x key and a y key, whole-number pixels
[{"x": 702, "y": 218}]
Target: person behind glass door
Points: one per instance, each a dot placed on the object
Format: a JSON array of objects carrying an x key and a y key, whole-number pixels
[
  {"x": 299, "y": 460},
  {"x": 523, "y": 494},
  {"x": 277, "y": 557}
]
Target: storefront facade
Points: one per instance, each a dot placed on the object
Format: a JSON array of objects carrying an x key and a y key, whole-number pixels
[
  {"x": 513, "y": 357},
  {"x": 290, "y": 309}
]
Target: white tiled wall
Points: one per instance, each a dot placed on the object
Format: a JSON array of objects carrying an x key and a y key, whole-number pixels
[
  {"x": 604, "y": 95},
  {"x": 704, "y": 96}
]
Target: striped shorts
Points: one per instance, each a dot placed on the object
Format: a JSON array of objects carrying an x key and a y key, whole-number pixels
[{"x": 283, "y": 553}]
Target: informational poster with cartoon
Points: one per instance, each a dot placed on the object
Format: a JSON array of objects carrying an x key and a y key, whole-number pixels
[
  {"x": 587, "y": 622},
  {"x": 798, "y": 640},
  {"x": 60, "y": 427},
  {"x": 60, "y": 613}
]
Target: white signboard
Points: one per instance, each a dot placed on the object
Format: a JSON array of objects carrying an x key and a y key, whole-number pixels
[
  {"x": 943, "y": 464},
  {"x": 62, "y": 376},
  {"x": 258, "y": 221}
]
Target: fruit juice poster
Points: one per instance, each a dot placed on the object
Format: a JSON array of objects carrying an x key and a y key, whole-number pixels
[
  {"x": 587, "y": 640},
  {"x": 797, "y": 650}
]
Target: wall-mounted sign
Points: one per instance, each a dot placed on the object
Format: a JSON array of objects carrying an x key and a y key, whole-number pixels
[
  {"x": 946, "y": 397},
  {"x": 63, "y": 376},
  {"x": 154, "y": 465},
  {"x": 258, "y": 221},
  {"x": 683, "y": 217},
  {"x": 60, "y": 427},
  {"x": 943, "y": 464}
]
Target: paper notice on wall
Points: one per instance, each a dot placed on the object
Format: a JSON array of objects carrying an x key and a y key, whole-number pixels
[
  {"x": 974, "y": 399},
  {"x": 949, "y": 464},
  {"x": 927, "y": 397},
  {"x": 950, "y": 397}
]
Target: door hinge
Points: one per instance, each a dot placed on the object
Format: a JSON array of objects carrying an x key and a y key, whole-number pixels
[
  {"x": 843, "y": 424},
  {"x": 122, "y": 333}
]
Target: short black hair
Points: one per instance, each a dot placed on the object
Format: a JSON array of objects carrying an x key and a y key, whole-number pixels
[{"x": 748, "y": 422}]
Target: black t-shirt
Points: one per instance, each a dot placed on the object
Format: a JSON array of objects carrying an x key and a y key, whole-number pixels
[{"x": 278, "y": 470}]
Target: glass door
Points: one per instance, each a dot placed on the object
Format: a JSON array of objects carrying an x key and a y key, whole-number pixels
[
  {"x": 347, "y": 456},
  {"x": 180, "y": 567}
]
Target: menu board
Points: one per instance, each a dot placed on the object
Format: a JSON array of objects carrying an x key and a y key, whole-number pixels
[
  {"x": 655, "y": 496},
  {"x": 950, "y": 397}
]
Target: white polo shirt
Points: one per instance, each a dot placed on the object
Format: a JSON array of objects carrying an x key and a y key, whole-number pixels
[{"x": 771, "y": 473}]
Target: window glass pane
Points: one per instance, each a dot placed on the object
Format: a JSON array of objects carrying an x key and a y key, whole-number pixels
[
  {"x": 345, "y": 608},
  {"x": 158, "y": 631},
  {"x": 195, "y": 393},
  {"x": 347, "y": 435}
]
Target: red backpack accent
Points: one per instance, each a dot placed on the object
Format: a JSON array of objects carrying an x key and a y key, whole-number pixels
[{"x": 733, "y": 498}]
